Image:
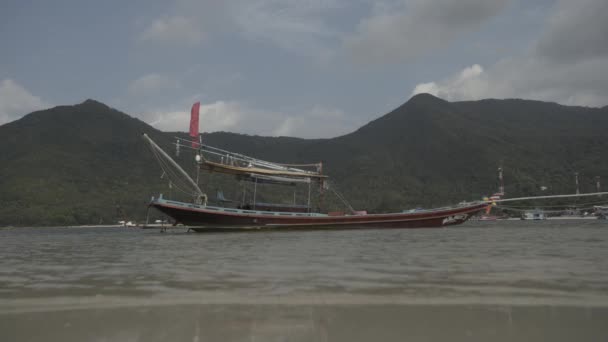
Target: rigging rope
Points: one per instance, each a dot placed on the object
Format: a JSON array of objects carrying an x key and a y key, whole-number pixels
[
  {"x": 341, "y": 197},
  {"x": 545, "y": 211},
  {"x": 571, "y": 205},
  {"x": 174, "y": 178}
]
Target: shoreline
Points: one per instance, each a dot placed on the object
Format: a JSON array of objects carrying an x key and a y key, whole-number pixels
[
  {"x": 179, "y": 226},
  {"x": 217, "y": 298}
]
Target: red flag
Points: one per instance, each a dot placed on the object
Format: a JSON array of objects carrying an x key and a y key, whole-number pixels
[{"x": 194, "y": 124}]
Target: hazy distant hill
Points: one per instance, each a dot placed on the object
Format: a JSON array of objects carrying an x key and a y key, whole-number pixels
[{"x": 75, "y": 164}]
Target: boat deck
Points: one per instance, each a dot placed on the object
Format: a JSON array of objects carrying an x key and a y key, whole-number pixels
[{"x": 237, "y": 211}]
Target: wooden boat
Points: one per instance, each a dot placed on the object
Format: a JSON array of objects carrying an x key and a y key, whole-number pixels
[
  {"x": 206, "y": 218},
  {"x": 201, "y": 216},
  {"x": 254, "y": 215},
  {"x": 251, "y": 214}
]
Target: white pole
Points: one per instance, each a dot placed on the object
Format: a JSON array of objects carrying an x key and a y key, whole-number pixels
[
  {"x": 198, "y": 169},
  {"x": 243, "y": 198},
  {"x": 255, "y": 189},
  {"x": 309, "y": 197}
]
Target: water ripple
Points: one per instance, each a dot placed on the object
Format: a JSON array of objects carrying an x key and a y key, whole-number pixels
[{"x": 509, "y": 259}]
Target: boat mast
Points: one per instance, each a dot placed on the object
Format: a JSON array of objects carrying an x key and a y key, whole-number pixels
[{"x": 198, "y": 193}]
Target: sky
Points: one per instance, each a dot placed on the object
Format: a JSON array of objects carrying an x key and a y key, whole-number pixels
[{"x": 304, "y": 68}]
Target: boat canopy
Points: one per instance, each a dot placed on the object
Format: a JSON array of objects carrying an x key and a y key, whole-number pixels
[
  {"x": 279, "y": 180},
  {"x": 214, "y": 159},
  {"x": 258, "y": 172}
]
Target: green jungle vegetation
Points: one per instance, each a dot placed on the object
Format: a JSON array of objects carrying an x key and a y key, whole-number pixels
[{"x": 87, "y": 163}]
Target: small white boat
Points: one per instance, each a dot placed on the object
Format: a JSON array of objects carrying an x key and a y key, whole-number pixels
[{"x": 535, "y": 215}]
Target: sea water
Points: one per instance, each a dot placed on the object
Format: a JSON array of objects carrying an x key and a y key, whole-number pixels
[{"x": 481, "y": 281}]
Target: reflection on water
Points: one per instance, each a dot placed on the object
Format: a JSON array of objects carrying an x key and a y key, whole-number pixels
[{"x": 311, "y": 282}]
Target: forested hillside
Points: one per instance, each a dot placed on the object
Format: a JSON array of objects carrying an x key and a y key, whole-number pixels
[{"x": 77, "y": 164}]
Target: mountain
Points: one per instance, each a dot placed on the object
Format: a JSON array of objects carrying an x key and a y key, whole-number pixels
[
  {"x": 77, "y": 164},
  {"x": 72, "y": 165}
]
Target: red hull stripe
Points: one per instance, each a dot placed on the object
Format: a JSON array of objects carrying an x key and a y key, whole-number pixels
[{"x": 196, "y": 216}]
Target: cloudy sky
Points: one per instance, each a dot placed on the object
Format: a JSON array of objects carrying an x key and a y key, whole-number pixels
[{"x": 307, "y": 68}]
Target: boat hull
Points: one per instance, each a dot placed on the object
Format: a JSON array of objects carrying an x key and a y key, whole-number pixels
[{"x": 204, "y": 218}]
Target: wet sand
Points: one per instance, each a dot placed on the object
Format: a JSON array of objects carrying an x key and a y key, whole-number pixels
[{"x": 311, "y": 323}]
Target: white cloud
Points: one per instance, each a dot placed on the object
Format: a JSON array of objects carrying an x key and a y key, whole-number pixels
[
  {"x": 403, "y": 30},
  {"x": 174, "y": 29},
  {"x": 300, "y": 26},
  {"x": 575, "y": 30},
  {"x": 468, "y": 84},
  {"x": 16, "y": 101},
  {"x": 304, "y": 27},
  {"x": 319, "y": 122},
  {"x": 568, "y": 64},
  {"x": 232, "y": 116},
  {"x": 151, "y": 83},
  {"x": 218, "y": 116},
  {"x": 584, "y": 83}
]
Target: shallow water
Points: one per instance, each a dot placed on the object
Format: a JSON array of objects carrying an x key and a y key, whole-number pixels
[{"x": 504, "y": 279}]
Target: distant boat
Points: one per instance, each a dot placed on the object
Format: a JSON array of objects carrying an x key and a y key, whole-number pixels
[
  {"x": 601, "y": 212},
  {"x": 127, "y": 223},
  {"x": 535, "y": 215}
]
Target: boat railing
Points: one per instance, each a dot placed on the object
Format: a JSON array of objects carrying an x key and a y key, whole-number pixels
[{"x": 161, "y": 200}]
